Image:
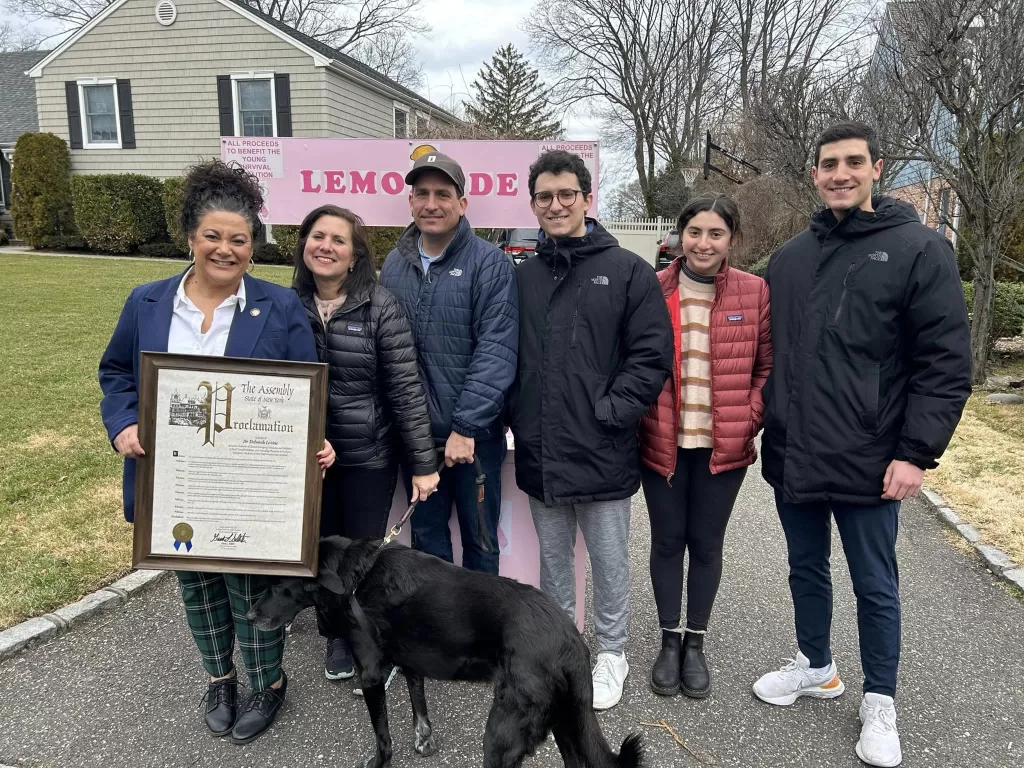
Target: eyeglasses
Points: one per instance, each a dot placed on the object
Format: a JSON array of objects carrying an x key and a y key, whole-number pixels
[{"x": 565, "y": 196}]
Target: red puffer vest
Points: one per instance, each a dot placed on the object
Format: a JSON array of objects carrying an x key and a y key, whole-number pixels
[{"x": 741, "y": 359}]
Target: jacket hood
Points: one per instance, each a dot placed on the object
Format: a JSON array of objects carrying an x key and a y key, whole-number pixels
[
  {"x": 575, "y": 249},
  {"x": 888, "y": 213}
]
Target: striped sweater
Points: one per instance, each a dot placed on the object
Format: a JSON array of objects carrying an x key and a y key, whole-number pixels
[{"x": 696, "y": 295}]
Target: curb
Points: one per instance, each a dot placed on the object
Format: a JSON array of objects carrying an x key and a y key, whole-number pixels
[
  {"x": 995, "y": 559},
  {"x": 31, "y": 633}
]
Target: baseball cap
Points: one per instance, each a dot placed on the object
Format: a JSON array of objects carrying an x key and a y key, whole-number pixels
[{"x": 436, "y": 161}]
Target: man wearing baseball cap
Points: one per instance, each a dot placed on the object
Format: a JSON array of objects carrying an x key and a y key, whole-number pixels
[{"x": 460, "y": 294}]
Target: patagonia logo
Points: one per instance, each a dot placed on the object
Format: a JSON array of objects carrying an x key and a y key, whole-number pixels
[
  {"x": 355, "y": 327},
  {"x": 733, "y": 318},
  {"x": 599, "y": 280},
  {"x": 879, "y": 256},
  {"x": 456, "y": 272}
]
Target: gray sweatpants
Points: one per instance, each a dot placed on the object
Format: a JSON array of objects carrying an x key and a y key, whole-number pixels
[{"x": 605, "y": 526}]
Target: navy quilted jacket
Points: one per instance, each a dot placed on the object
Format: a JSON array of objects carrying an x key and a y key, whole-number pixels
[{"x": 465, "y": 319}]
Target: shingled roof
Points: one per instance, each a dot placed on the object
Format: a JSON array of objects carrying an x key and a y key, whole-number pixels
[{"x": 18, "y": 113}]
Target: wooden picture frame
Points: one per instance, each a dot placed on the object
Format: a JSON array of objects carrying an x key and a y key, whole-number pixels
[{"x": 194, "y": 479}]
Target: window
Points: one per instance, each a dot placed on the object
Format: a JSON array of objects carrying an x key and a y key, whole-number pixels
[
  {"x": 100, "y": 126},
  {"x": 422, "y": 125},
  {"x": 401, "y": 122},
  {"x": 255, "y": 110}
]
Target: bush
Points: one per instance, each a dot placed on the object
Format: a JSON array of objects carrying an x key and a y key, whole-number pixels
[
  {"x": 118, "y": 212},
  {"x": 4, "y": 239},
  {"x": 65, "y": 243},
  {"x": 163, "y": 251},
  {"x": 287, "y": 238},
  {"x": 173, "y": 199},
  {"x": 269, "y": 253},
  {"x": 758, "y": 267},
  {"x": 382, "y": 242},
  {"x": 40, "y": 188},
  {"x": 1008, "y": 308}
]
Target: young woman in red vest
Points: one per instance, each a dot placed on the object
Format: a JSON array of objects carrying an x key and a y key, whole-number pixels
[{"x": 698, "y": 438}]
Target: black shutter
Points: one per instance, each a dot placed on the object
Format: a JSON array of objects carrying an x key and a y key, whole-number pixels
[
  {"x": 283, "y": 97},
  {"x": 226, "y": 105},
  {"x": 74, "y": 115},
  {"x": 127, "y": 118}
]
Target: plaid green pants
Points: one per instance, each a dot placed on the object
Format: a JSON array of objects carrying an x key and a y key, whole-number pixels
[{"x": 215, "y": 606}]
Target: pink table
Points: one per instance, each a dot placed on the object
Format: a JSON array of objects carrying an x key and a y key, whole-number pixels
[{"x": 517, "y": 540}]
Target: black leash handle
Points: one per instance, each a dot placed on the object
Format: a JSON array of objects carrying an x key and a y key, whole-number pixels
[{"x": 482, "y": 533}]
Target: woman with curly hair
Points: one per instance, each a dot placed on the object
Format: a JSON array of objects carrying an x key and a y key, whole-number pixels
[
  {"x": 375, "y": 391},
  {"x": 213, "y": 308}
]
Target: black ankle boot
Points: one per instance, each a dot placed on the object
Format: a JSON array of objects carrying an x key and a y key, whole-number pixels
[
  {"x": 665, "y": 672},
  {"x": 694, "y": 678}
]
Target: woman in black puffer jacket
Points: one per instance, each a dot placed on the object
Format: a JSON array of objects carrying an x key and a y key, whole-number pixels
[{"x": 376, "y": 405}]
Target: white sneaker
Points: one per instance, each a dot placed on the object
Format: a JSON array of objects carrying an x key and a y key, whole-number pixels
[
  {"x": 609, "y": 675},
  {"x": 358, "y": 689},
  {"x": 879, "y": 742},
  {"x": 795, "y": 680}
]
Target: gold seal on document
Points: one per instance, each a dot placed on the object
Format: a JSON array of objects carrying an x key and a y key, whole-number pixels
[{"x": 182, "y": 533}]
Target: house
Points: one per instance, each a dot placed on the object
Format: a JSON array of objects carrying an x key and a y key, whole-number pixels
[
  {"x": 149, "y": 86},
  {"x": 17, "y": 115}
]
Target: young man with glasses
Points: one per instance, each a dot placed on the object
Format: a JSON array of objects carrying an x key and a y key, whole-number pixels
[{"x": 595, "y": 348}]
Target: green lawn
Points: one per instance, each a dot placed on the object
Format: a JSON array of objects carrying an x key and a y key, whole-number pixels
[{"x": 62, "y": 533}]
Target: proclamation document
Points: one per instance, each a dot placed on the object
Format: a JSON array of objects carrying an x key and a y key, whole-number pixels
[{"x": 228, "y": 464}]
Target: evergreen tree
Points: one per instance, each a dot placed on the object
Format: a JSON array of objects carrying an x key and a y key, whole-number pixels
[{"x": 511, "y": 101}]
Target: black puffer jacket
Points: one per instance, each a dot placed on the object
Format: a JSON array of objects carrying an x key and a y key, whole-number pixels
[
  {"x": 872, "y": 354},
  {"x": 595, "y": 348},
  {"x": 374, "y": 383}
]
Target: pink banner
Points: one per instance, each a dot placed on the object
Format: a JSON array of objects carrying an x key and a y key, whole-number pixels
[{"x": 368, "y": 175}]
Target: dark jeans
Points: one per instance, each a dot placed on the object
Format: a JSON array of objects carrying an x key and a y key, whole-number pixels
[
  {"x": 868, "y": 534},
  {"x": 690, "y": 515},
  {"x": 429, "y": 522},
  {"x": 356, "y": 504}
]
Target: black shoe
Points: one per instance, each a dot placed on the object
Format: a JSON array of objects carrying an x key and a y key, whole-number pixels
[
  {"x": 695, "y": 680},
  {"x": 221, "y": 703},
  {"x": 338, "y": 664},
  {"x": 665, "y": 672},
  {"x": 258, "y": 713}
]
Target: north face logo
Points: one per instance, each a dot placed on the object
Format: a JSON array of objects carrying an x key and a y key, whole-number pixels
[
  {"x": 456, "y": 272},
  {"x": 879, "y": 256},
  {"x": 599, "y": 280}
]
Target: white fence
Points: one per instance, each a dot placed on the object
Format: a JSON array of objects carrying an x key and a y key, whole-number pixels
[{"x": 641, "y": 236}]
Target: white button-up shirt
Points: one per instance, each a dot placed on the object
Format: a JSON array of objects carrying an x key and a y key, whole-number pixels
[{"x": 187, "y": 337}]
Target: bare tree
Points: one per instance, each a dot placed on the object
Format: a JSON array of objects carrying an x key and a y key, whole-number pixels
[
  {"x": 620, "y": 55},
  {"x": 13, "y": 38},
  {"x": 393, "y": 54},
  {"x": 957, "y": 69}
]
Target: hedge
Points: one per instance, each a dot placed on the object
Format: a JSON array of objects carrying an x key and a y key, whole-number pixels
[
  {"x": 163, "y": 251},
  {"x": 758, "y": 267},
  {"x": 287, "y": 238},
  {"x": 118, "y": 212},
  {"x": 173, "y": 198},
  {"x": 40, "y": 189},
  {"x": 1008, "y": 308}
]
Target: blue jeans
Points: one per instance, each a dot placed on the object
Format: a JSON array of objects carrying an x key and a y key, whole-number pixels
[
  {"x": 430, "y": 532},
  {"x": 868, "y": 534}
]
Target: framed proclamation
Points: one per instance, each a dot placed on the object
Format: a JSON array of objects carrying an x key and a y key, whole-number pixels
[{"x": 229, "y": 481}]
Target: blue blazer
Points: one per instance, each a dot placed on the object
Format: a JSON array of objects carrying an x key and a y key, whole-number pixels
[{"x": 280, "y": 331}]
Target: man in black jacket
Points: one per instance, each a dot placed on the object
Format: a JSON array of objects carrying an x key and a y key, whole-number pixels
[
  {"x": 871, "y": 373},
  {"x": 595, "y": 348}
]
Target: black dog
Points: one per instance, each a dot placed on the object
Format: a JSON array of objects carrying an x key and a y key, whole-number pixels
[{"x": 432, "y": 619}]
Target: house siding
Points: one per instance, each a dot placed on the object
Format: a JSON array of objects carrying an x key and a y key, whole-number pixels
[
  {"x": 355, "y": 112},
  {"x": 173, "y": 72}
]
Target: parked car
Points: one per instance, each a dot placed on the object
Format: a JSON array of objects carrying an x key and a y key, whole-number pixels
[
  {"x": 667, "y": 250},
  {"x": 518, "y": 244}
]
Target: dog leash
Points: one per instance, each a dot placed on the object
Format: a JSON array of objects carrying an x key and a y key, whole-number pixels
[{"x": 482, "y": 532}]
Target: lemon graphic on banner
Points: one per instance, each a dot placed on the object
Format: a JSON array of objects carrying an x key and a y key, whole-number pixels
[{"x": 422, "y": 150}]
